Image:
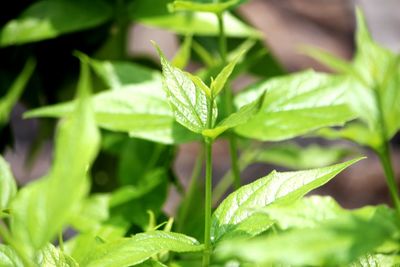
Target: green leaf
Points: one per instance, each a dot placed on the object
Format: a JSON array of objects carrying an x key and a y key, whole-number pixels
[
  {"x": 52, "y": 256},
  {"x": 307, "y": 212},
  {"x": 276, "y": 187},
  {"x": 48, "y": 19},
  {"x": 8, "y": 101},
  {"x": 116, "y": 74},
  {"x": 9, "y": 258},
  {"x": 334, "y": 243},
  {"x": 295, "y": 105},
  {"x": 8, "y": 187},
  {"x": 293, "y": 156},
  {"x": 91, "y": 213},
  {"x": 154, "y": 13},
  {"x": 218, "y": 84},
  {"x": 182, "y": 57},
  {"x": 376, "y": 260},
  {"x": 242, "y": 116},
  {"x": 139, "y": 248},
  {"x": 216, "y": 8},
  {"x": 188, "y": 102},
  {"x": 149, "y": 118},
  {"x": 354, "y": 131},
  {"x": 41, "y": 209}
]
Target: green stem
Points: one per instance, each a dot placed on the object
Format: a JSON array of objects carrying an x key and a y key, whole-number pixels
[
  {"x": 208, "y": 203},
  {"x": 6, "y": 236},
  {"x": 193, "y": 185},
  {"x": 384, "y": 154},
  {"x": 61, "y": 241},
  {"x": 228, "y": 99},
  {"x": 384, "y": 157}
]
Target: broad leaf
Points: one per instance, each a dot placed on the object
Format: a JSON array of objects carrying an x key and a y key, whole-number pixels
[
  {"x": 116, "y": 74},
  {"x": 8, "y": 187},
  {"x": 9, "y": 258},
  {"x": 154, "y": 13},
  {"x": 373, "y": 93},
  {"x": 274, "y": 188},
  {"x": 140, "y": 110},
  {"x": 10, "y": 99},
  {"x": 334, "y": 243},
  {"x": 42, "y": 208},
  {"x": 307, "y": 212},
  {"x": 293, "y": 156},
  {"x": 48, "y": 19},
  {"x": 52, "y": 256},
  {"x": 244, "y": 114},
  {"x": 139, "y": 248},
  {"x": 189, "y": 102},
  {"x": 295, "y": 105}
]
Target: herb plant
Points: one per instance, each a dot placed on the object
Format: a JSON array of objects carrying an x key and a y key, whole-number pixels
[{"x": 145, "y": 114}]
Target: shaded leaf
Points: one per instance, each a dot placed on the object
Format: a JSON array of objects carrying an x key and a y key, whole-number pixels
[
  {"x": 334, "y": 243},
  {"x": 296, "y": 157},
  {"x": 8, "y": 187},
  {"x": 8, "y": 101},
  {"x": 139, "y": 248},
  {"x": 276, "y": 187},
  {"x": 41, "y": 209},
  {"x": 48, "y": 19},
  {"x": 182, "y": 57}
]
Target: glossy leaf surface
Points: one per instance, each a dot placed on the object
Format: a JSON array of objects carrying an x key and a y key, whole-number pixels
[
  {"x": 276, "y": 187},
  {"x": 295, "y": 105}
]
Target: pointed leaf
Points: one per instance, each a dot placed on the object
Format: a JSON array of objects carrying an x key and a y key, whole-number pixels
[
  {"x": 188, "y": 102},
  {"x": 219, "y": 82},
  {"x": 295, "y": 105},
  {"x": 41, "y": 209},
  {"x": 244, "y": 114},
  {"x": 13, "y": 94},
  {"x": 48, "y": 19},
  {"x": 275, "y": 188},
  {"x": 182, "y": 57},
  {"x": 8, "y": 187},
  {"x": 139, "y": 248}
]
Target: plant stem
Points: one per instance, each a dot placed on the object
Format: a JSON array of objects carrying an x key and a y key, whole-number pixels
[
  {"x": 61, "y": 241},
  {"x": 186, "y": 203},
  {"x": 228, "y": 99},
  {"x": 208, "y": 203},
  {"x": 384, "y": 154},
  {"x": 384, "y": 157}
]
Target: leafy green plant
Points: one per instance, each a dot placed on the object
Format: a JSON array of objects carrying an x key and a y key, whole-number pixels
[{"x": 144, "y": 115}]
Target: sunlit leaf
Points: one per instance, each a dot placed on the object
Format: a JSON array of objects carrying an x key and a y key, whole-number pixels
[
  {"x": 285, "y": 187},
  {"x": 295, "y": 105},
  {"x": 139, "y": 248},
  {"x": 8, "y": 187}
]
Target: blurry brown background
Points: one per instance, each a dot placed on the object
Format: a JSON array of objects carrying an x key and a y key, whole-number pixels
[{"x": 287, "y": 25}]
